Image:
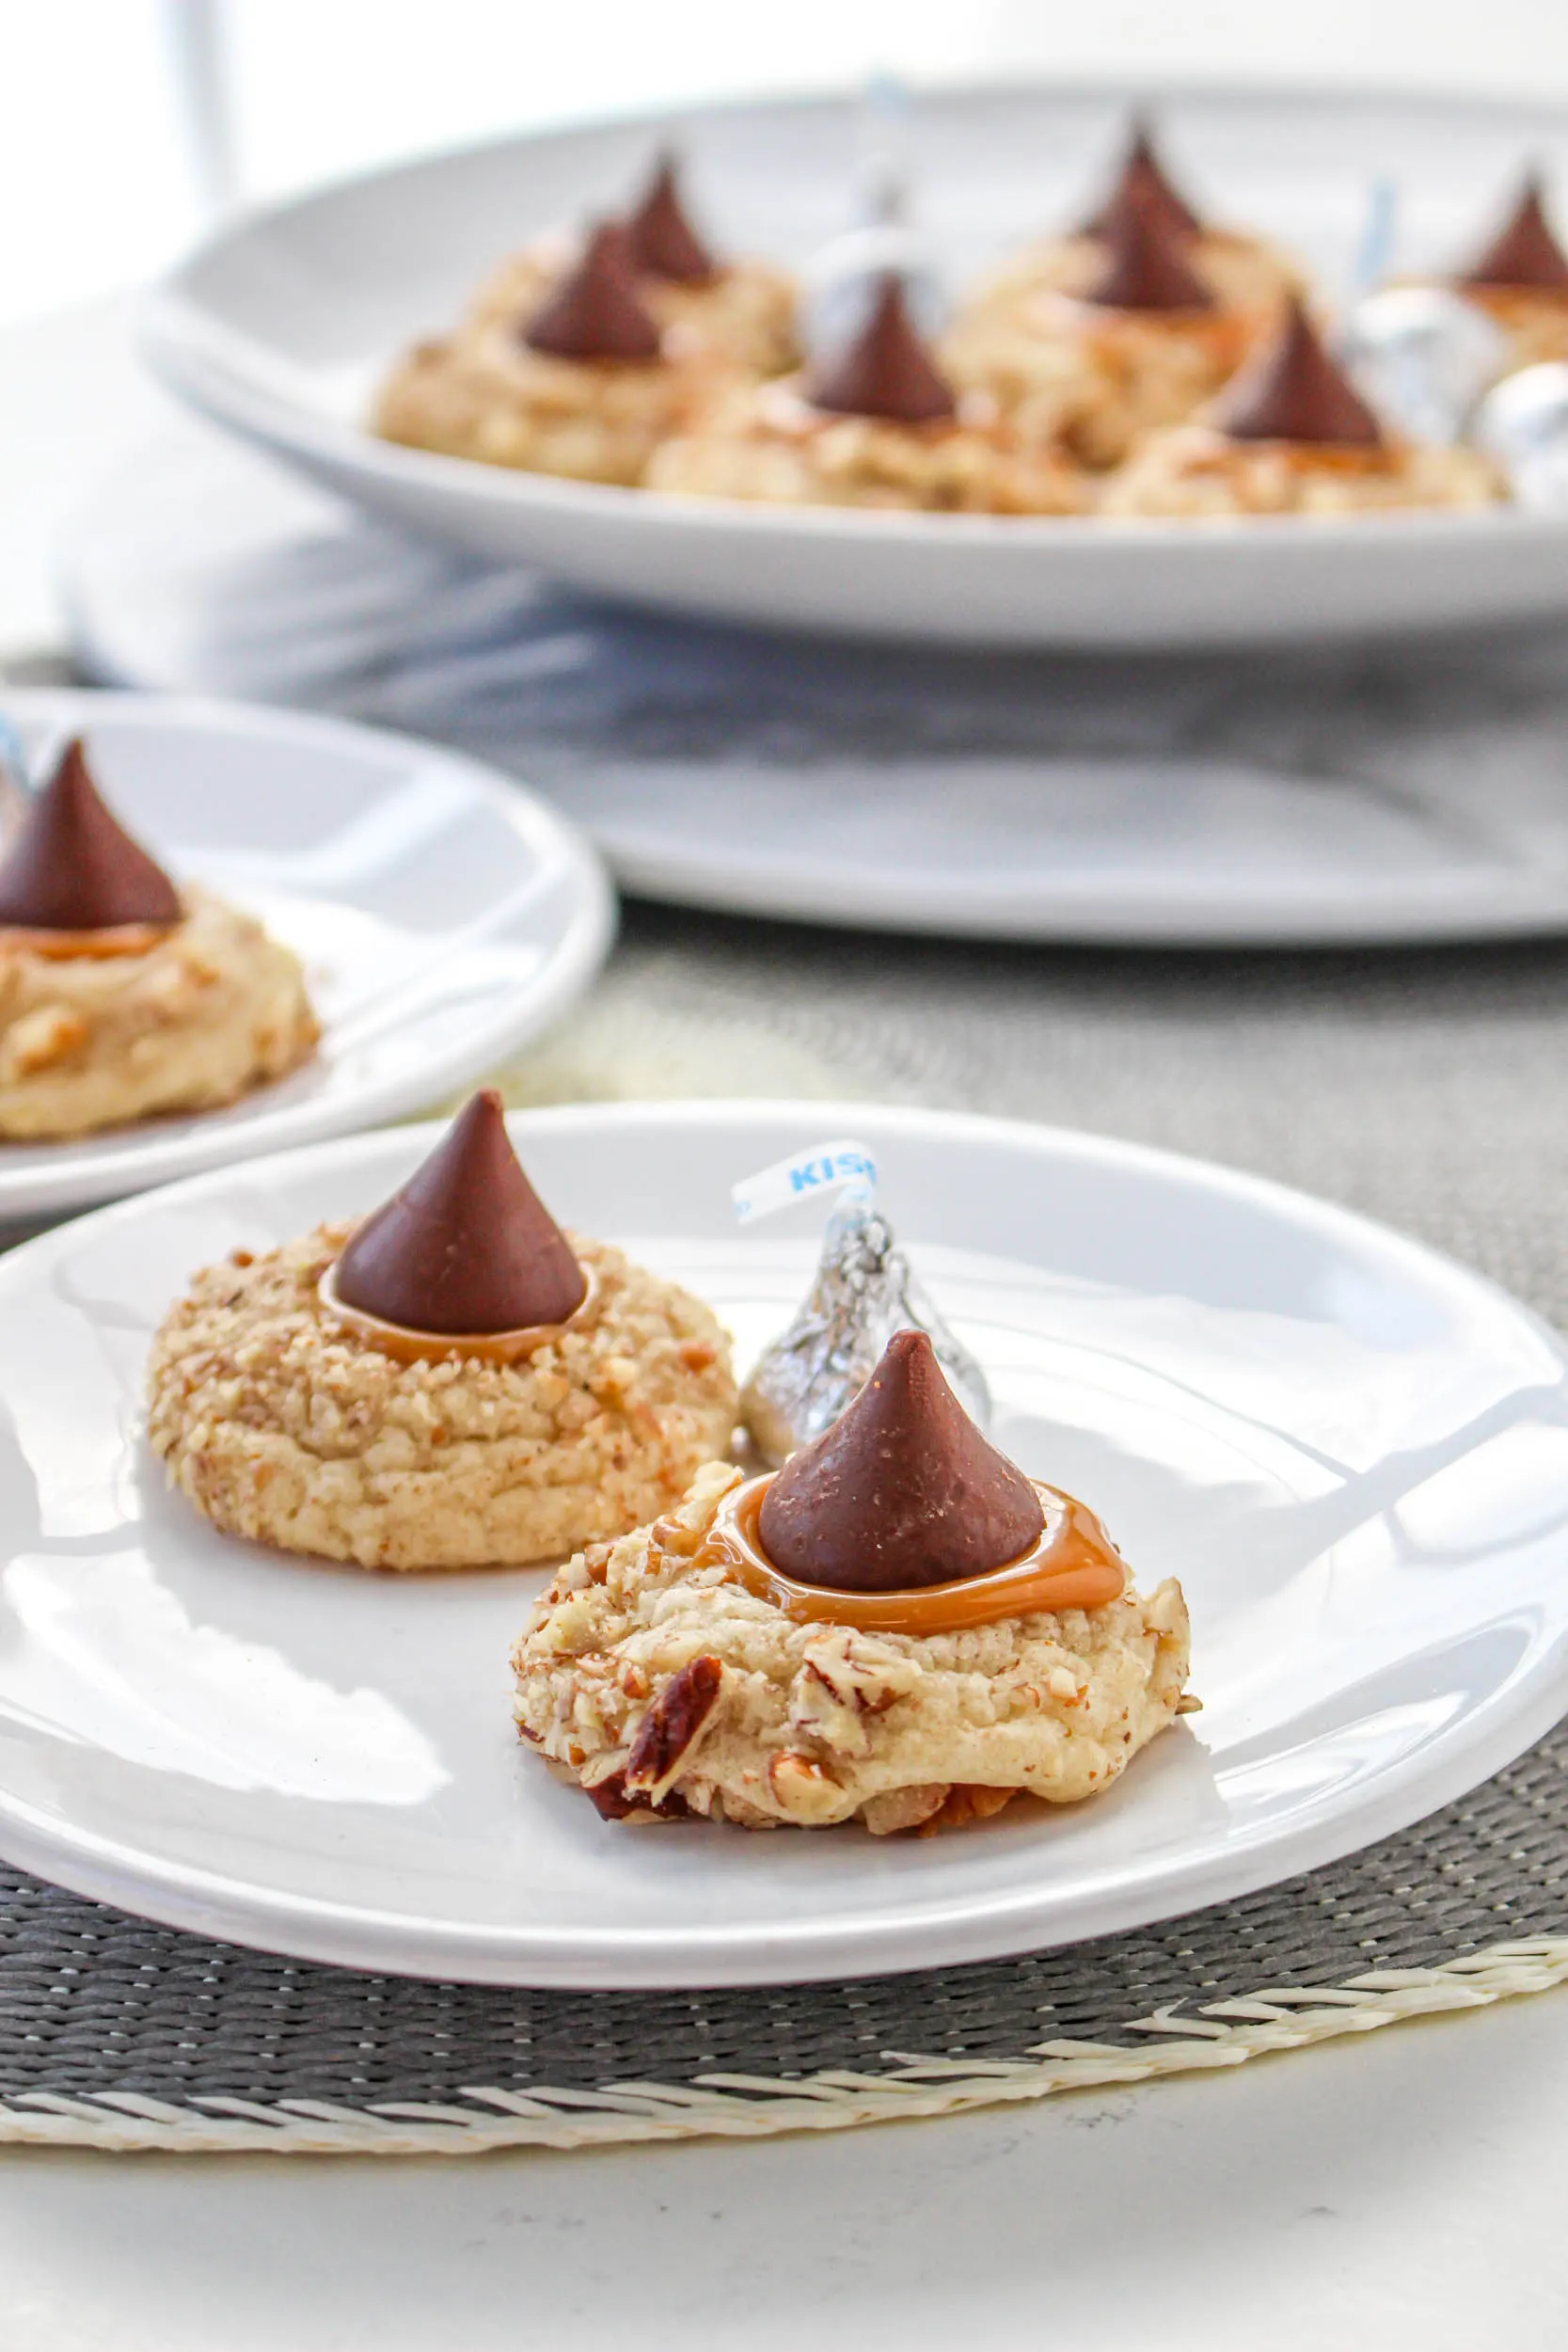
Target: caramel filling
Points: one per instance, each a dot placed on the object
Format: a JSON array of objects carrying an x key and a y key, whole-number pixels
[
  {"x": 787, "y": 412},
  {"x": 1342, "y": 458},
  {"x": 116, "y": 939},
  {"x": 492, "y": 1347},
  {"x": 1517, "y": 302},
  {"x": 1074, "y": 1565},
  {"x": 1104, "y": 324}
]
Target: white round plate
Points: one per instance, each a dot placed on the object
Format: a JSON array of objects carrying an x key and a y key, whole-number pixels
[
  {"x": 1353, "y": 1455},
  {"x": 1137, "y": 800},
  {"x": 443, "y": 914},
  {"x": 280, "y": 327}
]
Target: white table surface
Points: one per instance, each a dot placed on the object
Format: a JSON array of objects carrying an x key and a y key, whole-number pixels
[
  {"x": 1402, "y": 2192},
  {"x": 1397, "y": 2192}
]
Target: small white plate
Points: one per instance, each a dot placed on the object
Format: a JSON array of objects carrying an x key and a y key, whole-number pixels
[
  {"x": 280, "y": 327},
  {"x": 1353, "y": 1453},
  {"x": 444, "y": 916}
]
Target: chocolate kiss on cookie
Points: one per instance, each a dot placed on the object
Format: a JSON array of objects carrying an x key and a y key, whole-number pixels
[
  {"x": 1294, "y": 391},
  {"x": 1143, "y": 185},
  {"x": 660, "y": 236},
  {"x": 901, "y": 1491},
  {"x": 466, "y": 1246},
  {"x": 1524, "y": 252},
  {"x": 71, "y": 867},
  {"x": 1146, "y": 266},
  {"x": 884, "y": 372},
  {"x": 596, "y": 313}
]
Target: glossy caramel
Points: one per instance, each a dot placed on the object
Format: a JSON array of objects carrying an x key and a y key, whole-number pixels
[
  {"x": 407, "y": 1346},
  {"x": 1074, "y": 1565},
  {"x": 115, "y": 939}
]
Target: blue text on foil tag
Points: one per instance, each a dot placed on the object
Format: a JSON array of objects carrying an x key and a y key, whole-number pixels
[{"x": 841, "y": 1165}]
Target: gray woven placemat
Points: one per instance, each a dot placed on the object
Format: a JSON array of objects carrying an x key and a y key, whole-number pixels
[{"x": 1427, "y": 1088}]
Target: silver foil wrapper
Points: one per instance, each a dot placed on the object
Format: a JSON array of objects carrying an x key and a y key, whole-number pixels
[
  {"x": 839, "y": 284},
  {"x": 1522, "y": 426},
  {"x": 839, "y": 287},
  {"x": 1423, "y": 356},
  {"x": 862, "y": 1293}
]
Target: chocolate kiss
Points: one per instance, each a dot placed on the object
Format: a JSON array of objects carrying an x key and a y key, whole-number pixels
[
  {"x": 660, "y": 238},
  {"x": 71, "y": 867},
  {"x": 1143, "y": 185},
  {"x": 1146, "y": 266},
  {"x": 595, "y": 311},
  {"x": 884, "y": 372},
  {"x": 902, "y": 1490},
  {"x": 1294, "y": 391},
  {"x": 1524, "y": 252},
  {"x": 467, "y": 1245}
]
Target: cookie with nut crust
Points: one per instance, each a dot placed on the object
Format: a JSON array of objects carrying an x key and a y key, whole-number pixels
[
  {"x": 453, "y": 1382},
  {"x": 123, "y": 996},
  {"x": 663, "y": 1686},
  {"x": 281, "y": 1424}
]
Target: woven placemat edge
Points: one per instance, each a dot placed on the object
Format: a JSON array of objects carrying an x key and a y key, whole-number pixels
[{"x": 1224, "y": 2033}]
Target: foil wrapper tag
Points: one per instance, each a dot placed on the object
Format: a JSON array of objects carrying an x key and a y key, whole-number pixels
[
  {"x": 16, "y": 783},
  {"x": 864, "y": 1291}
]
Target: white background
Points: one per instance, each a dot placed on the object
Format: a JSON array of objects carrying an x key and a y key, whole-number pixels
[{"x": 103, "y": 178}]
